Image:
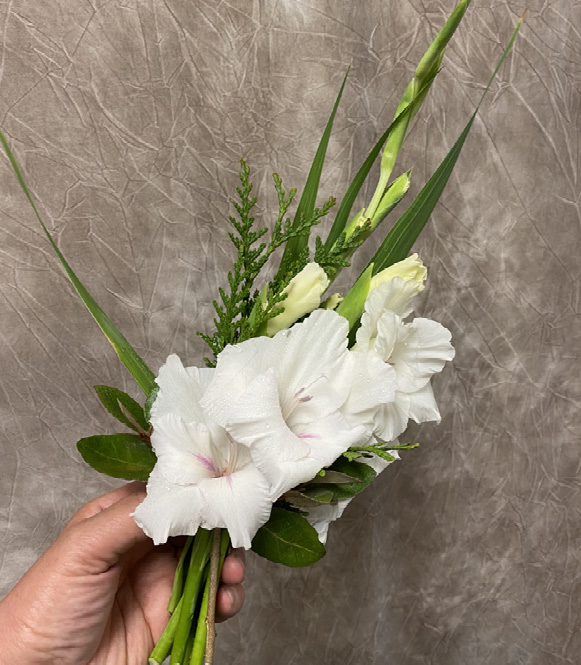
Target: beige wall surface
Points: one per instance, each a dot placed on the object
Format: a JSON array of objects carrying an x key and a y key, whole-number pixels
[{"x": 129, "y": 118}]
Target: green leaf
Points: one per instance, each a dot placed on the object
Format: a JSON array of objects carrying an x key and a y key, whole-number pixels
[
  {"x": 289, "y": 539},
  {"x": 123, "y": 407},
  {"x": 118, "y": 455},
  {"x": 333, "y": 477},
  {"x": 308, "y": 199},
  {"x": 310, "y": 497},
  {"x": 362, "y": 474},
  {"x": 127, "y": 354},
  {"x": 404, "y": 233}
]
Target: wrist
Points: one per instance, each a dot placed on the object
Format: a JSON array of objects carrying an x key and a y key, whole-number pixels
[{"x": 12, "y": 637}]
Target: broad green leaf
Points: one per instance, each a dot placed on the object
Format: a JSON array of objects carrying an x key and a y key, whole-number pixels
[
  {"x": 308, "y": 199},
  {"x": 289, "y": 539},
  {"x": 404, "y": 233},
  {"x": 310, "y": 497},
  {"x": 362, "y": 474},
  {"x": 118, "y": 455},
  {"x": 127, "y": 354},
  {"x": 123, "y": 407}
]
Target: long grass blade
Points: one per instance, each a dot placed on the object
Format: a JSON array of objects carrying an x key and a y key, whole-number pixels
[
  {"x": 307, "y": 203},
  {"x": 127, "y": 354}
]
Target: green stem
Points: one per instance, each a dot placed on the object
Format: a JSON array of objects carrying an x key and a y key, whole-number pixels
[
  {"x": 212, "y": 592},
  {"x": 189, "y": 647},
  {"x": 199, "y": 557},
  {"x": 178, "y": 580},
  {"x": 221, "y": 542},
  {"x": 163, "y": 647},
  {"x": 199, "y": 648}
]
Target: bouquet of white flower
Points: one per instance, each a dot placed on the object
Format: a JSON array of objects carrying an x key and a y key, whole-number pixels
[{"x": 301, "y": 402}]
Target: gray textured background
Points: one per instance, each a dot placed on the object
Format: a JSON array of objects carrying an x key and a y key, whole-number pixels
[{"x": 129, "y": 119}]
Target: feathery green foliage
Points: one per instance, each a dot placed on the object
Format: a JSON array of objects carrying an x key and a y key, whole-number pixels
[{"x": 242, "y": 311}]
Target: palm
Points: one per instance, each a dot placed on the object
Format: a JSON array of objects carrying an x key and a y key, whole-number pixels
[{"x": 139, "y": 612}]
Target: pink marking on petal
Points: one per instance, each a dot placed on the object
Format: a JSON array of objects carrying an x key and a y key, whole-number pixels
[
  {"x": 207, "y": 463},
  {"x": 306, "y": 398},
  {"x": 309, "y": 436},
  {"x": 229, "y": 480}
]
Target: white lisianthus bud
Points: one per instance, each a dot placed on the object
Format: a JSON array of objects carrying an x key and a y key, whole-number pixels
[
  {"x": 411, "y": 269},
  {"x": 304, "y": 293}
]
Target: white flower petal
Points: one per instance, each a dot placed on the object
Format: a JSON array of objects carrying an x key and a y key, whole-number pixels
[
  {"x": 282, "y": 397},
  {"x": 320, "y": 517},
  {"x": 396, "y": 295},
  {"x": 313, "y": 348},
  {"x": 419, "y": 353},
  {"x": 389, "y": 330},
  {"x": 185, "y": 453},
  {"x": 240, "y": 502},
  {"x": 392, "y": 419},
  {"x": 422, "y": 405},
  {"x": 287, "y": 457},
  {"x": 373, "y": 384},
  {"x": 180, "y": 391},
  {"x": 202, "y": 478},
  {"x": 168, "y": 509}
]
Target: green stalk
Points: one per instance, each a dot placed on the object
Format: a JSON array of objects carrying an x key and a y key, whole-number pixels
[
  {"x": 189, "y": 646},
  {"x": 199, "y": 648},
  {"x": 200, "y": 641},
  {"x": 178, "y": 580},
  {"x": 163, "y": 647},
  {"x": 199, "y": 558},
  {"x": 414, "y": 95}
]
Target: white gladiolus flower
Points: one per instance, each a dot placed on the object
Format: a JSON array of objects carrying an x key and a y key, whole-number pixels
[
  {"x": 203, "y": 477},
  {"x": 415, "y": 350},
  {"x": 285, "y": 397},
  {"x": 320, "y": 517},
  {"x": 304, "y": 293}
]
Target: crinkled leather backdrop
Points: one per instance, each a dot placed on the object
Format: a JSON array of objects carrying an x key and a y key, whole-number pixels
[{"x": 129, "y": 119}]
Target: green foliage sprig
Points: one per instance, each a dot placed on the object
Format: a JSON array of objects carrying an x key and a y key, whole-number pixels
[
  {"x": 333, "y": 259},
  {"x": 382, "y": 449},
  {"x": 242, "y": 312}
]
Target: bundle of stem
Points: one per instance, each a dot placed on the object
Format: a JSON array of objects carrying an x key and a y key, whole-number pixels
[{"x": 189, "y": 635}]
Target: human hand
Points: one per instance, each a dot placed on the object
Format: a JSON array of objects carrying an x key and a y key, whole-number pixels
[{"x": 99, "y": 594}]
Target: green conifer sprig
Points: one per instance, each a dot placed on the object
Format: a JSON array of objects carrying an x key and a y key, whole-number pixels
[
  {"x": 337, "y": 257},
  {"x": 241, "y": 311}
]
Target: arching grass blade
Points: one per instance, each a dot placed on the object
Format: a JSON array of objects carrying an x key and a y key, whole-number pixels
[{"x": 127, "y": 354}]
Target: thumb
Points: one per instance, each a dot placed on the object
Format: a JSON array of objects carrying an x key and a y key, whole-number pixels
[{"x": 99, "y": 542}]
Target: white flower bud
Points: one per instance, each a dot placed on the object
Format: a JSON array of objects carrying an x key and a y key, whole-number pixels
[
  {"x": 304, "y": 293},
  {"x": 411, "y": 269}
]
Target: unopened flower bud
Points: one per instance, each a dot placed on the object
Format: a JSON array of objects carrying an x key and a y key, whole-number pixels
[
  {"x": 411, "y": 269},
  {"x": 304, "y": 293}
]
